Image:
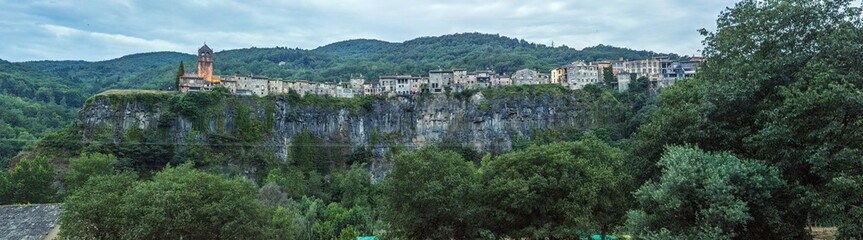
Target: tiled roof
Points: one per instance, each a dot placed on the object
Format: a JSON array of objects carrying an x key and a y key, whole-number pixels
[{"x": 28, "y": 221}]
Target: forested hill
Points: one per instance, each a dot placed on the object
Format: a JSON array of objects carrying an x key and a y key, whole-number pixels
[{"x": 337, "y": 61}]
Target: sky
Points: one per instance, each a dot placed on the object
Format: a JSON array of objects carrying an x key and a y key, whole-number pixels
[{"x": 96, "y": 30}]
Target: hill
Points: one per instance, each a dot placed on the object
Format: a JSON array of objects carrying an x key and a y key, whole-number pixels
[
  {"x": 373, "y": 58},
  {"x": 356, "y": 47}
]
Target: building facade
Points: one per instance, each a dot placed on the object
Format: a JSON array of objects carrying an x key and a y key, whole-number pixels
[
  {"x": 580, "y": 74},
  {"x": 529, "y": 77}
]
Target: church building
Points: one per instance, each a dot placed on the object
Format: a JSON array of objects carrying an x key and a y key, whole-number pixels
[{"x": 203, "y": 79}]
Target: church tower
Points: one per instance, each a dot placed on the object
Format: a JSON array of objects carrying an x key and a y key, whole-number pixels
[{"x": 205, "y": 63}]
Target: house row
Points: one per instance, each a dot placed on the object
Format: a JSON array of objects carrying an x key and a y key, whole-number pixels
[
  {"x": 262, "y": 86},
  {"x": 660, "y": 70}
]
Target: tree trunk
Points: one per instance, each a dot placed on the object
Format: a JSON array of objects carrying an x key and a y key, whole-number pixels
[{"x": 602, "y": 232}]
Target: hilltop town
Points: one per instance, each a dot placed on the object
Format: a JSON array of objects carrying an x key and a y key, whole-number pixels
[{"x": 660, "y": 70}]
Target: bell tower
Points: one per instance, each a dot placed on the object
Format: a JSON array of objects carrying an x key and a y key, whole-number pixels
[{"x": 205, "y": 63}]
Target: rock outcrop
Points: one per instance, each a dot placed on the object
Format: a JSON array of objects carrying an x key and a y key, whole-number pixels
[{"x": 485, "y": 123}]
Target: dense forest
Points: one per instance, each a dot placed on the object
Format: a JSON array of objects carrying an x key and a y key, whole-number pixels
[
  {"x": 41, "y": 96},
  {"x": 764, "y": 143}
]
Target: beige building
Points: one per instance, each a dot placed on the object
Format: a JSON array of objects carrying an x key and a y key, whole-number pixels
[
  {"x": 502, "y": 81},
  {"x": 484, "y": 78},
  {"x": 438, "y": 79},
  {"x": 357, "y": 82},
  {"x": 579, "y": 74},
  {"x": 529, "y": 77},
  {"x": 558, "y": 75},
  {"x": 651, "y": 67},
  {"x": 623, "y": 80}
]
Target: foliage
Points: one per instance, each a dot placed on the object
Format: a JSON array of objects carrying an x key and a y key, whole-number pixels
[
  {"x": 526, "y": 90},
  {"x": 23, "y": 120},
  {"x": 177, "y": 202},
  {"x": 557, "y": 190},
  {"x": 428, "y": 195},
  {"x": 97, "y": 209},
  {"x": 449, "y": 144},
  {"x": 352, "y": 187},
  {"x": 308, "y": 153},
  {"x": 181, "y": 70},
  {"x": 782, "y": 85},
  {"x": 608, "y": 76},
  {"x": 713, "y": 194},
  {"x": 31, "y": 181},
  {"x": 358, "y": 104},
  {"x": 88, "y": 166}
]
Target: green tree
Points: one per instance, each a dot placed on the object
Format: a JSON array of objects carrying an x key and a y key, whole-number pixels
[
  {"x": 557, "y": 190},
  {"x": 97, "y": 210},
  {"x": 32, "y": 181},
  {"x": 6, "y": 188},
  {"x": 179, "y": 202},
  {"x": 180, "y": 72},
  {"x": 184, "y": 202},
  {"x": 702, "y": 195},
  {"x": 352, "y": 187},
  {"x": 608, "y": 76},
  {"x": 782, "y": 85},
  {"x": 307, "y": 153},
  {"x": 87, "y": 166},
  {"x": 428, "y": 194}
]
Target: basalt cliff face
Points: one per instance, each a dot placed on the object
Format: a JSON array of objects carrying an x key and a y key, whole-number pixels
[{"x": 486, "y": 121}]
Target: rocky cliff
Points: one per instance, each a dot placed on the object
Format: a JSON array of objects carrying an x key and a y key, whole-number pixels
[{"x": 486, "y": 121}]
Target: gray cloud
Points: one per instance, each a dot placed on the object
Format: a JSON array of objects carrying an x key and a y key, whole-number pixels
[{"x": 105, "y": 29}]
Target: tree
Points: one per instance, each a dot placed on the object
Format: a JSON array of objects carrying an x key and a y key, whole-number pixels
[
  {"x": 97, "y": 210},
  {"x": 199, "y": 205},
  {"x": 179, "y": 202},
  {"x": 6, "y": 188},
  {"x": 87, "y": 166},
  {"x": 702, "y": 195},
  {"x": 307, "y": 153},
  {"x": 557, "y": 190},
  {"x": 352, "y": 187},
  {"x": 32, "y": 181},
  {"x": 781, "y": 84},
  {"x": 180, "y": 72},
  {"x": 608, "y": 76},
  {"x": 428, "y": 194}
]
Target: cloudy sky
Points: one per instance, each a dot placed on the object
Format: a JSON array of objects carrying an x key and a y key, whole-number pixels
[{"x": 96, "y": 30}]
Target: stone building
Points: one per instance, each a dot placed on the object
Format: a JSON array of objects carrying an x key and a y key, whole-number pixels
[
  {"x": 202, "y": 80},
  {"x": 501, "y": 80},
  {"x": 484, "y": 78},
  {"x": 529, "y": 77},
  {"x": 401, "y": 84},
  {"x": 579, "y": 74},
  {"x": 650, "y": 68},
  {"x": 372, "y": 89},
  {"x": 459, "y": 76},
  {"x": 623, "y": 80},
  {"x": 438, "y": 79},
  {"x": 357, "y": 82},
  {"x": 205, "y": 63},
  {"x": 302, "y": 87}
]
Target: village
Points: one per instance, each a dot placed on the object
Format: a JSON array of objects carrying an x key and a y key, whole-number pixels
[{"x": 660, "y": 70}]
